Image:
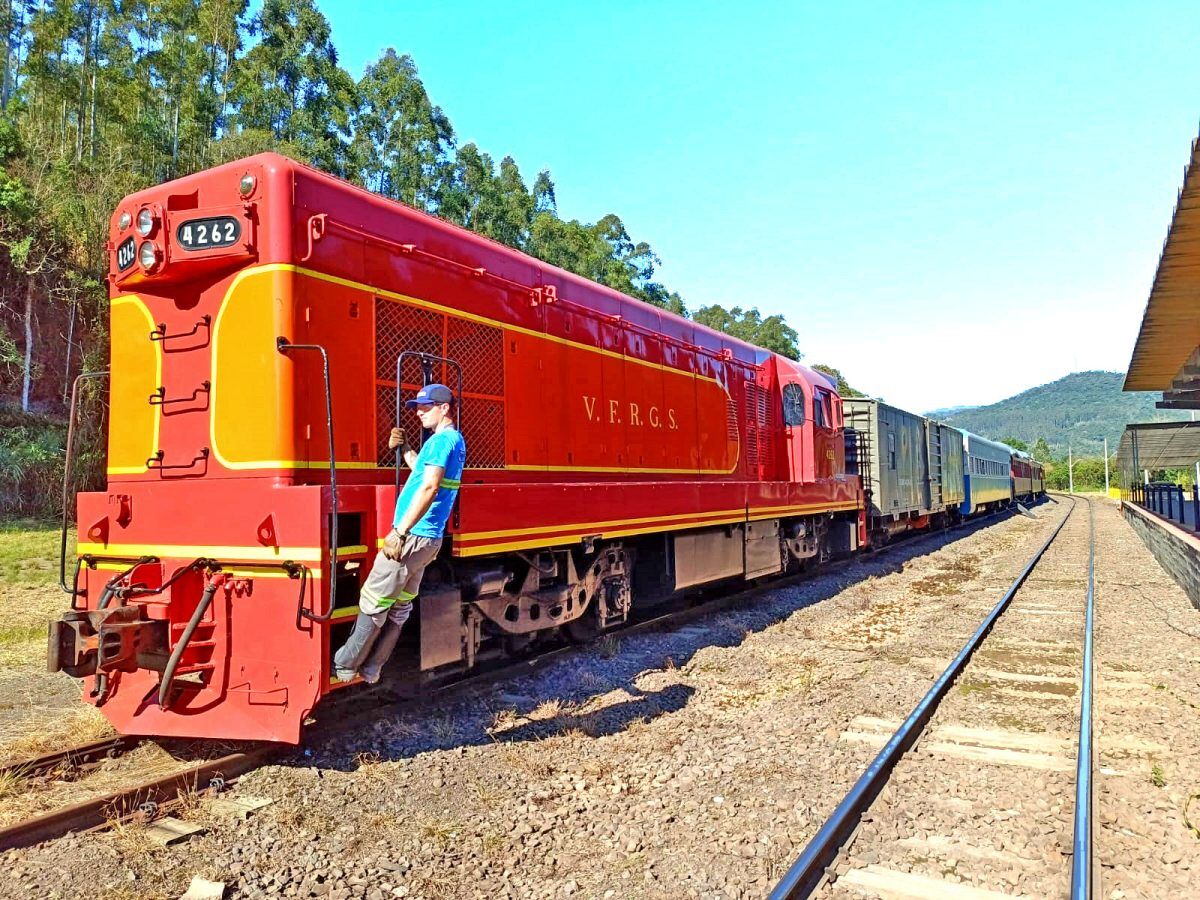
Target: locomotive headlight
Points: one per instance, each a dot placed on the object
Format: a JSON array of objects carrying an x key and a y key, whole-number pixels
[
  {"x": 145, "y": 223},
  {"x": 125, "y": 221},
  {"x": 247, "y": 184},
  {"x": 148, "y": 256}
]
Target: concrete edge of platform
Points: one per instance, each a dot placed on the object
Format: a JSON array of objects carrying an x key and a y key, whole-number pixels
[{"x": 1177, "y": 551}]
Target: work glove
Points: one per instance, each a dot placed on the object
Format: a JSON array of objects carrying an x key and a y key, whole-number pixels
[
  {"x": 393, "y": 544},
  {"x": 396, "y": 438}
]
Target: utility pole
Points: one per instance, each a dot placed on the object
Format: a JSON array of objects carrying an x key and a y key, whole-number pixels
[
  {"x": 1106, "y": 465},
  {"x": 1070, "y": 470}
]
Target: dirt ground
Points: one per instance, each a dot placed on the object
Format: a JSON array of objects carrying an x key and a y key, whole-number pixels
[
  {"x": 695, "y": 763},
  {"x": 38, "y": 710}
]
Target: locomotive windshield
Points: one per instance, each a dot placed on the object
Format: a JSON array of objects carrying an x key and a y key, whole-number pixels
[{"x": 793, "y": 404}]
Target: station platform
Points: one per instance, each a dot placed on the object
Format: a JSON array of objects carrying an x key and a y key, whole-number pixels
[{"x": 1173, "y": 541}]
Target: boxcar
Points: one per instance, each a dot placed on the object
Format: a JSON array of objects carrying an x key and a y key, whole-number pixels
[
  {"x": 911, "y": 467},
  {"x": 988, "y": 477}
]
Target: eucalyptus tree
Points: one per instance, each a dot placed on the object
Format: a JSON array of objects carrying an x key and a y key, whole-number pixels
[
  {"x": 289, "y": 85},
  {"x": 404, "y": 141}
]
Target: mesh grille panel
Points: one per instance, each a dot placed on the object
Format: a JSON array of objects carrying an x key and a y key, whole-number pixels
[
  {"x": 400, "y": 327},
  {"x": 385, "y": 414},
  {"x": 756, "y": 415},
  {"x": 477, "y": 348}
]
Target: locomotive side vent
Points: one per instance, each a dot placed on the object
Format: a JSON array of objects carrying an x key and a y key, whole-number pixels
[
  {"x": 755, "y": 413},
  {"x": 478, "y": 348}
]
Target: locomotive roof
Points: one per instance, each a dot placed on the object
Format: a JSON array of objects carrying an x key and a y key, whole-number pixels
[{"x": 501, "y": 255}]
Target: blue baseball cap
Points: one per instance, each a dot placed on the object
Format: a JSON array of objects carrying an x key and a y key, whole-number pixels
[{"x": 432, "y": 394}]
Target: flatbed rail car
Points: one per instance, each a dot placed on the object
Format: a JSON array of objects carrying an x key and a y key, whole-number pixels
[
  {"x": 911, "y": 467},
  {"x": 267, "y": 318}
]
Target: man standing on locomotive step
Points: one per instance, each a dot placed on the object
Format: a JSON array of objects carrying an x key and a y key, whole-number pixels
[{"x": 421, "y": 512}]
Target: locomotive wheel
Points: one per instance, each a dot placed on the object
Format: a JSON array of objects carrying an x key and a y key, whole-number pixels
[{"x": 586, "y": 628}]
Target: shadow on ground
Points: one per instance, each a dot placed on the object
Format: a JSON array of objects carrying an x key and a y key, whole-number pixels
[{"x": 553, "y": 695}]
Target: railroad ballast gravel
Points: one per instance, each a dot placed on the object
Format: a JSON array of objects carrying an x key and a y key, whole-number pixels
[{"x": 695, "y": 763}]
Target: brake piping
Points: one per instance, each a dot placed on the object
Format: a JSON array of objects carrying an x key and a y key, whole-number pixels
[{"x": 210, "y": 590}]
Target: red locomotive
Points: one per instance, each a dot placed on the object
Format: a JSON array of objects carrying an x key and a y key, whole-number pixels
[{"x": 267, "y": 319}]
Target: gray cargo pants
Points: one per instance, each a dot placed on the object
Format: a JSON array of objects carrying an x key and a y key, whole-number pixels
[{"x": 384, "y": 605}]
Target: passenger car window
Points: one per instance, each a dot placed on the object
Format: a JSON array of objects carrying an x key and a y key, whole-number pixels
[{"x": 793, "y": 405}]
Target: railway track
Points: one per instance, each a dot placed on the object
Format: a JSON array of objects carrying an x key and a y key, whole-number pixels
[
  {"x": 146, "y": 800},
  {"x": 982, "y": 792},
  {"x": 78, "y": 757}
]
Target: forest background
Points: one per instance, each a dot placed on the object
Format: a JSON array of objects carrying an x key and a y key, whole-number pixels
[{"x": 101, "y": 98}]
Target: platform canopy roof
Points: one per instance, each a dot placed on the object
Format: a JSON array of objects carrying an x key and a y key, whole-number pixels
[
  {"x": 1157, "y": 445},
  {"x": 1166, "y": 357}
]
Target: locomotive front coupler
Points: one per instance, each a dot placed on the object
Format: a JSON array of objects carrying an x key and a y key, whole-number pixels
[{"x": 116, "y": 637}]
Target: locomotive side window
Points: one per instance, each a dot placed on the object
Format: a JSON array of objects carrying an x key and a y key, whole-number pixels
[
  {"x": 891, "y": 449},
  {"x": 821, "y": 414},
  {"x": 793, "y": 405}
]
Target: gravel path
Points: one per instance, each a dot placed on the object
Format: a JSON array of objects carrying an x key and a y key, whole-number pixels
[
  {"x": 1147, "y": 647},
  {"x": 688, "y": 764}
]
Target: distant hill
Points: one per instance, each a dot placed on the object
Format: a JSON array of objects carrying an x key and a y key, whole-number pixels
[
  {"x": 1081, "y": 409},
  {"x": 945, "y": 412}
]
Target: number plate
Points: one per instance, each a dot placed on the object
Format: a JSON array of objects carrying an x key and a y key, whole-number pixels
[
  {"x": 205, "y": 234},
  {"x": 126, "y": 254}
]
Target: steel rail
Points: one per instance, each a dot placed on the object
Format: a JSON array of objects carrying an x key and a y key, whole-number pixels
[
  {"x": 808, "y": 870},
  {"x": 72, "y": 757},
  {"x": 124, "y": 805},
  {"x": 1081, "y": 858}
]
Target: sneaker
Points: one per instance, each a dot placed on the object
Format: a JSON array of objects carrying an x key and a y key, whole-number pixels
[
  {"x": 344, "y": 675},
  {"x": 371, "y": 676}
]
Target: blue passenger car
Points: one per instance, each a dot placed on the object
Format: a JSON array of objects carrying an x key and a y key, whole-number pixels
[{"x": 987, "y": 474}]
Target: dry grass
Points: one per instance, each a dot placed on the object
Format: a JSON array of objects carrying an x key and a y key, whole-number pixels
[
  {"x": 528, "y": 758},
  {"x": 504, "y": 720},
  {"x": 440, "y": 831},
  {"x": 441, "y": 726},
  {"x": 303, "y": 822},
  {"x": 491, "y": 844},
  {"x": 489, "y": 795},
  {"x": 76, "y": 725},
  {"x": 11, "y": 784},
  {"x": 608, "y": 646},
  {"x": 547, "y": 709}
]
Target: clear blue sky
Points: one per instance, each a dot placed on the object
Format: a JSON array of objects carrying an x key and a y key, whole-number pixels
[{"x": 911, "y": 185}]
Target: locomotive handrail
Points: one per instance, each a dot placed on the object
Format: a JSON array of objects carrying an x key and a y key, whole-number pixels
[
  {"x": 67, "y": 473},
  {"x": 283, "y": 345},
  {"x": 320, "y": 223},
  {"x": 156, "y": 462},
  {"x": 159, "y": 397},
  {"x": 160, "y": 331}
]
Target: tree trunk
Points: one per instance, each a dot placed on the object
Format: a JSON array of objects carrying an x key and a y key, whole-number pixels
[
  {"x": 27, "y": 371},
  {"x": 70, "y": 346}
]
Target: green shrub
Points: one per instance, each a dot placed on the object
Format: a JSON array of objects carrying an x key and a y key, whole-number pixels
[{"x": 31, "y": 461}]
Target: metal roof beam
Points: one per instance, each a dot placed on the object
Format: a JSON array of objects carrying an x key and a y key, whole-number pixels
[{"x": 1178, "y": 404}]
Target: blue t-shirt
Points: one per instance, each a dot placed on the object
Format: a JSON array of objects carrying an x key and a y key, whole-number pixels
[{"x": 445, "y": 449}]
